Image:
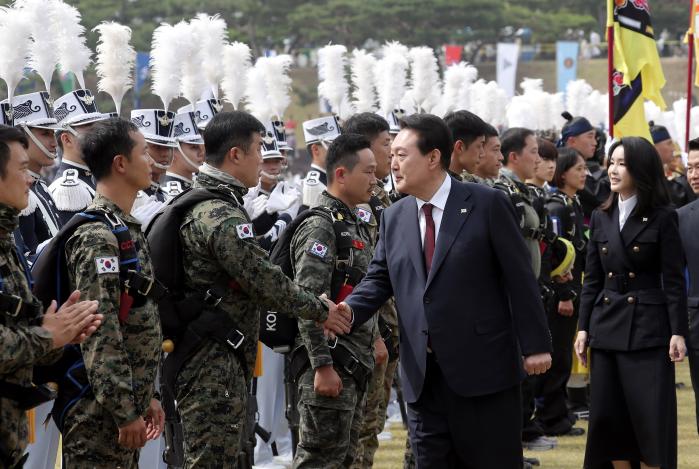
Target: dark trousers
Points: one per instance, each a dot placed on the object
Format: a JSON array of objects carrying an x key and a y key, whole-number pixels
[
  {"x": 552, "y": 410},
  {"x": 531, "y": 428},
  {"x": 449, "y": 431},
  {"x": 693, "y": 355}
]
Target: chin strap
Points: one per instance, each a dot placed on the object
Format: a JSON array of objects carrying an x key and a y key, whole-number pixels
[
  {"x": 273, "y": 177},
  {"x": 195, "y": 167},
  {"x": 36, "y": 141}
]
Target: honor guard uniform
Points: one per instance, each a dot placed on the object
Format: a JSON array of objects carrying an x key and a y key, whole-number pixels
[
  {"x": 74, "y": 187},
  {"x": 204, "y": 111},
  {"x": 273, "y": 203},
  {"x": 580, "y": 135},
  {"x": 179, "y": 177},
  {"x": 318, "y": 134},
  {"x": 157, "y": 126},
  {"x": 681, "y": 192},
  {"x": 39, "y": 221}
]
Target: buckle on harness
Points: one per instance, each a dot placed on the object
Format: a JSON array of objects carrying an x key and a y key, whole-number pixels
[
  {"x": 236, "y": 341},
  {"x": 353, "y": 366},
  {"x": 14, "y": 304},
  {"x": 212, "y": 300}
]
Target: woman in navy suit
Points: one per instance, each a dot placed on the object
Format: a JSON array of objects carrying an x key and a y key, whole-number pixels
[{"x": 633, "y": 315}]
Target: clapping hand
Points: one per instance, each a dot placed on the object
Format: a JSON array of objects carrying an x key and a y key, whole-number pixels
[{"x": 73, "y": 322}]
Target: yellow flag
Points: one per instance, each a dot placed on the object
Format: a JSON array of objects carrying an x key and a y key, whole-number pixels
[{"x": 637, "y": 73}]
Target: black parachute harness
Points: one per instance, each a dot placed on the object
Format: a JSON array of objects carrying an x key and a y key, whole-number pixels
[
  {"x": 189, "y": 319},
  {"x": 50, "y": 271},
  {"x": 13, "y": 307},
  {"x": 345, "y": 277}
]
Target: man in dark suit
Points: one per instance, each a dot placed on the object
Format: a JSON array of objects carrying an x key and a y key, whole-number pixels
[
  {"x": 689, "y": 227},
  {"x": 468, "y": 305}
]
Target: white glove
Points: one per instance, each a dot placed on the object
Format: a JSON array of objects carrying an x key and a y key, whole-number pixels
[
  {"x": 257, "y": 206},
  {"x": 280, "y": 200},
  {"x": 145, "y": 213}
]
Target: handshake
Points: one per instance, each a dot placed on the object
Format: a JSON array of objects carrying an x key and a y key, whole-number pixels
[{"x": 339, "y": 320}]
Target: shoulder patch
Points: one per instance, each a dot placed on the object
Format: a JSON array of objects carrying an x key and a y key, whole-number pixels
[
  {"x": 364, "y": 215},
  {"x": 245, "y": 231},
  {"x": 107, "y": 265},
  {"x": 317, "y": 249},
  {"x": 312, "y": 178}
]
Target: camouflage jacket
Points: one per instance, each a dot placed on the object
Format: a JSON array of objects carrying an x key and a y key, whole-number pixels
[
  {"x": 529, "y": 222},
  {"x": 388, "y": 311},
  {"x": 219, "y": 242},
  {"x": 314, "y": 254},
  {"x": 23, "y": 343},
  {"x": 121, "y": 359}
]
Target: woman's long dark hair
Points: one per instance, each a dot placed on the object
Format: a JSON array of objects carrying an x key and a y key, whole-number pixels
[
  {"x": 567, "y": 158},
  {"x": 643, "y": 164}
]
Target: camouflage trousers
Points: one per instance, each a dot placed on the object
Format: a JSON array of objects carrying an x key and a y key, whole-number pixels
[
  {"x": 212, "y": 400},
  {"x": 409, "y": 456},
  {"x": 91, "y": 439},
  {"x": 329, "y": 427},
  {"x": 378, "y": 395}
]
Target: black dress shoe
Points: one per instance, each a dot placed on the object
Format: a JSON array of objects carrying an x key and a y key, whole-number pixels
[{"x": 574, "y": 431}]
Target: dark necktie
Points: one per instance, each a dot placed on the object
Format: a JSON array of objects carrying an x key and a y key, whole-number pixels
[{"x": 428, "y": 245}]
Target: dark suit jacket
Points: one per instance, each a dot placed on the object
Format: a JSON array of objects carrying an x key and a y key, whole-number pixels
[
  {"x": 480, "y": 304},
  {"x": 634, "y": 292},
  {"x": 689, "y": 231}
]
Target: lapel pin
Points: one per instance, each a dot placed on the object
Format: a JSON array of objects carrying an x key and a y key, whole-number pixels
[
  {"x": 645, "y": 219},
  {"x": 464, "y": 210}
]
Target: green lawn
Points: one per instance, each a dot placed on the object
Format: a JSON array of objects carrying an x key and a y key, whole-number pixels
[{"x": 570, "y": 451}]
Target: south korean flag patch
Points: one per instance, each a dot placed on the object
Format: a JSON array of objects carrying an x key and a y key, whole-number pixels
[
  {"x": 245, "y": 231},
  {"x": 364, "y": 215},
  {"x": 107, "y": 265},
  {"x": 318, "y": 249}
]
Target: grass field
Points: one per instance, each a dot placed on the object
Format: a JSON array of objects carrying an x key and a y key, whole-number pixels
[{"x": 570, "y": 451}]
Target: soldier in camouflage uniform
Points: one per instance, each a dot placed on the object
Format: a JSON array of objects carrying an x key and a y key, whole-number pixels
[
  {"x": 376, "y": 129},
  {"x": 331, "y": 395},
  {"x": 107, "y": 426},
  {"x": 488, "y": 168},
  {"x": 25, "y": 342},
  {"x": 468, "y": 131},
  {"x": 219, "y": 242}
]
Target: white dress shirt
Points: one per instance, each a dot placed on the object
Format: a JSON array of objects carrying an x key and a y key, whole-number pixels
[
  {"x": 439, "y": 201},
  {"x": 625, "y": 209}
]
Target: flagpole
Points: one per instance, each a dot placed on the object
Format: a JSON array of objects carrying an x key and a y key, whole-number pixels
[
  {"x": 690, "y": 84},
  {"x": 610, "y": 63}
]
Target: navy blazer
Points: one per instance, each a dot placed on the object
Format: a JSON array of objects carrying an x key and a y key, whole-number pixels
[
  {"x": 480, "y": 304},
  {"x": 689, "y": 232},
  {"x": 634, "y": 292}
]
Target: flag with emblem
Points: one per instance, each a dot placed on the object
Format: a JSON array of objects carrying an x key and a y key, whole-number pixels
[
  {"x": 245, "y": 231},
  {"x": 318, "y": 249},
  {"x": 364, "y": 215},
  {"x": 635, "y": 73},
  {"x": 107, "y": 265}
]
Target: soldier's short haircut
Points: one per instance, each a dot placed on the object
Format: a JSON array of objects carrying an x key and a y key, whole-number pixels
[
  {"x": 514, "y": 140},
  {"x": 432, "y": 134},
  {"x": 8, "y": 135},
  {"x": 490, "y": 131},
  {"x": 107, "y": 139},
  {"x": 368, "y": 124},
  {"x": 466, "y": 126},
  {"x": 344, "y": 151},
  {"x": 693, "y": 145},
  {"x": 229, "y": 130}
]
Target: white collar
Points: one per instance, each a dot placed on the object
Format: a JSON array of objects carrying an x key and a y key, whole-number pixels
[
  {"x": 177, "y": 176},
  {"x": 77, "y": 165},
  {"x": 316, "y": 167},
  {"x": 626, "y": 206},
  {"x": 439, "y": 199}
]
